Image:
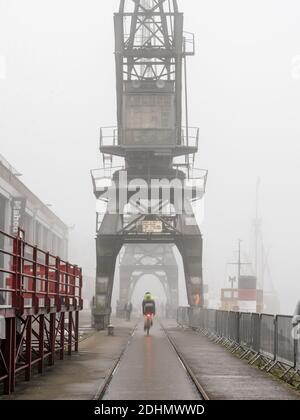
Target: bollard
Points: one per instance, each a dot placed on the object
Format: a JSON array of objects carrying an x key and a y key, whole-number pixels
[{"x": 110, "y": 330}]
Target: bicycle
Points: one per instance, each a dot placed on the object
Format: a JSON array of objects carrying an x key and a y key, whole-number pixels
[{"x": 148, "y": 323}]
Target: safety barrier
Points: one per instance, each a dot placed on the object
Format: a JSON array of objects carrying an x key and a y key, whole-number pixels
[
  {"x": 286, "y": 350},
  {"x": 245, "y": 329},
  {"x": 40, "y": 300},
  {"x": 33, "y": 278},
  {"x": 183, "y": 317},
  {"x": 268, "y": 336},
  {"x": 255, "y": 328},
  {"x": 273, "y": 339},
  {"x": 233, "y": 327},
  {"x": 194, "y": 317},
  {"x": 298, "y": 353},
  {"x": 211, "y": 320}
]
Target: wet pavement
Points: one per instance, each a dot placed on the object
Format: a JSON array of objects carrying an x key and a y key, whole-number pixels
[
  {"x": 80, "y": 376},
  {"x": 150, "y": 370},
  {"x": 223, "y": 375}
]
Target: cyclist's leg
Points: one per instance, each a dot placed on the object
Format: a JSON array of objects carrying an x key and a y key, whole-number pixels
[{"x": 148, "y": 325}]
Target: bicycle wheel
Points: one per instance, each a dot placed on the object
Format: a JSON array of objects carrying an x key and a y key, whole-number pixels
[{"x": 148, "y": 325}]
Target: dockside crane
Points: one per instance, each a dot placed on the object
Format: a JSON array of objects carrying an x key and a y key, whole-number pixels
[{"x": 149, "y": 143}]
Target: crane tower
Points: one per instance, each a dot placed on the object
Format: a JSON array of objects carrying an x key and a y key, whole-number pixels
[{"x": 148, "y": 182}]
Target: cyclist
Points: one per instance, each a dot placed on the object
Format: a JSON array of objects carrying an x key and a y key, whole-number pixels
[{"x": 148, "y": 307}]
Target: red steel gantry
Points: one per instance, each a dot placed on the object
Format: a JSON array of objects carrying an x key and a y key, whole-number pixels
[{"x": 40, "y": 300}]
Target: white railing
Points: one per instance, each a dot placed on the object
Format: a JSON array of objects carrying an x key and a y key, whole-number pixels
[{"x": 189, "y": 137}]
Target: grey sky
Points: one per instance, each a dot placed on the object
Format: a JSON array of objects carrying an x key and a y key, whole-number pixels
[{"x": 59, "y": 88}]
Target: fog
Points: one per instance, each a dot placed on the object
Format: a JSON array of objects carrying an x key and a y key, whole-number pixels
[{"x": 57, "y": 87}]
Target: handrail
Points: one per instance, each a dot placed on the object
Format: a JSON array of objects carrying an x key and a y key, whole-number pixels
[
  {"x": 109, "y": 136},
  {"x": 272, "y": 339},
  {"x": 29, "y": 279}
]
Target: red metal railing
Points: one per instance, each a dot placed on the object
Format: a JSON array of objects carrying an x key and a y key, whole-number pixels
[
  {"x": 34, "y": 279},
  {"x": 40, "y": 300}
]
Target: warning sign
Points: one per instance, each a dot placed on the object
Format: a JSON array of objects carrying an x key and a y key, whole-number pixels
[{"x": 152, "y": 226}]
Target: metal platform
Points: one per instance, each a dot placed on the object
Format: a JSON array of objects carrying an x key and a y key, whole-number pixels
[{"x": 39, "y": 312}]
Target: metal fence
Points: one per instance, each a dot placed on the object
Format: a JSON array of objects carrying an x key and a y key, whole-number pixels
[
  {"x": 34, "y": 279},
  {"x": 298, "y": 354},
  {"x": 211, "y": 319},
  {"x": 271, "y": 337},
  {"x": 255, "y": 332},
  {"x": 245, "y": 329},
  {"x": 40, "y": 300},
  {"x": 233, "y": 327},
  {"x": 285, "y": 343},
  {"x": 267, "y": 336}
]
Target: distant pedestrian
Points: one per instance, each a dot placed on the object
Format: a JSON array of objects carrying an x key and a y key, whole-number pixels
[
  {"x": 128, "y": 310},
  {"x": 296, "y": 318}
]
